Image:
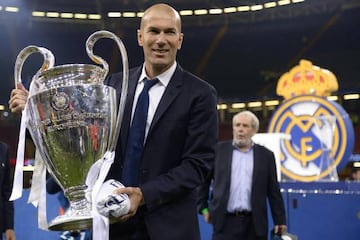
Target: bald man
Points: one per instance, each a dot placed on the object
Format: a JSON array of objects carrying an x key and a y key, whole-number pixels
[{"x": 180, "y": 136}]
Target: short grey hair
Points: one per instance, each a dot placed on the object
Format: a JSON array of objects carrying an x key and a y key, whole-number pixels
[{"x": 254, "y": 118}]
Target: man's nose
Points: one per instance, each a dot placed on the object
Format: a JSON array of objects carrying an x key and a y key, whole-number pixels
[{"x": 160, "y": 38}]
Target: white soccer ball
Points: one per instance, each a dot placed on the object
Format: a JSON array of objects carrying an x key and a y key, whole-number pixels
[{"x": 109, "y": 203}]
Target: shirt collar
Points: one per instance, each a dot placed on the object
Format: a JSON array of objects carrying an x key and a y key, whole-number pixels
[
  {"x": 237, "y": 148},
  {"x": 164, "y": 78}
]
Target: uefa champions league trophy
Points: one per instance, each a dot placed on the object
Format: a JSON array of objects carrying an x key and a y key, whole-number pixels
[{"x": 73, "y": 121}]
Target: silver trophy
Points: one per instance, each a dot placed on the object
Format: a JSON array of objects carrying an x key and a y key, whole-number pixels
[{"x": 73, "y": 121}]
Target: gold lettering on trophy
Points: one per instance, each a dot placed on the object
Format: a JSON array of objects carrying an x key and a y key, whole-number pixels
[{"x": 70, "y": 120}]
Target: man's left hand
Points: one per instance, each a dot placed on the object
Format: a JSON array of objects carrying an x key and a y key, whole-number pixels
[
  {"x": 10, "y": 234},
  {"x": 280, "y": 229}
]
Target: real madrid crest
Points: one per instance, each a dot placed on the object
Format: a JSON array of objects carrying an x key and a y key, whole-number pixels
[{"x": 322, "y": 135}]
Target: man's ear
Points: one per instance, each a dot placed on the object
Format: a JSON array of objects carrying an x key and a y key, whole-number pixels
[
  {"x": 181, "y": 38},
  {"x": 139, "y": 37}
]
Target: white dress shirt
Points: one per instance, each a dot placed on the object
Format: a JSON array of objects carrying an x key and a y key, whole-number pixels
[
  {"x": 155, "y": 93},
  {"x": 241, "y": 180}
]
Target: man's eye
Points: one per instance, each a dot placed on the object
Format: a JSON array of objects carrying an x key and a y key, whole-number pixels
[{"x": 153, "y": 31}]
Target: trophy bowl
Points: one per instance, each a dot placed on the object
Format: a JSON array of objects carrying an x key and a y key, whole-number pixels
[{"x": 73, "y": 121}]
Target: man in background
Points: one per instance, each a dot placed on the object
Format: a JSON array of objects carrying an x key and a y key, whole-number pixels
[
  {"x": 244, "y": 179},
  {"x": 6, "y": 206}
]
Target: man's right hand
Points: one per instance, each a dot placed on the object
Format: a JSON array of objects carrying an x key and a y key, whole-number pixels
[
  {"x": 18, "y": 98},
  {"x": 136, "y": 200}
]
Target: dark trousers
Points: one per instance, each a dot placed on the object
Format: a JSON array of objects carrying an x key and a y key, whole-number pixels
[
  {"x": 238, "y": 228},
  {"x": 133, "y": 229}
]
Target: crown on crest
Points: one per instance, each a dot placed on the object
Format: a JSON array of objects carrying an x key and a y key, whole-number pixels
[{"x": 306, "y": 78}]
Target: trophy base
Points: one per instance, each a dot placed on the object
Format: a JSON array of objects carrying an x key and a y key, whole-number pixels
[{"x": 72, "y": 220}]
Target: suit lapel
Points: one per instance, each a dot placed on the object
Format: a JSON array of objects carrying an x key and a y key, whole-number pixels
[
  {"x": 133, "y": 79},
  {"x": 228, "y": 153},
  {"x": 256, "y": 165},
  {"x": 171, "y": 91}
]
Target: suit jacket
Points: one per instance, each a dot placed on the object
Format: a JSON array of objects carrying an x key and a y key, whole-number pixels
[
  {"x": 6, "y": 206},
  {"x": 264, "y": 186},
  {"x": 178, "y": 153}
]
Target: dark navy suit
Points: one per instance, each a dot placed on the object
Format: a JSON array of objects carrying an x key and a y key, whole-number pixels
[{"x": 178, "y": 155}]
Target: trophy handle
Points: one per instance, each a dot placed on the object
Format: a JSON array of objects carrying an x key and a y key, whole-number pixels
[
  {"x": 89, "y": 49},
  {"x": 48, "y": 62}
]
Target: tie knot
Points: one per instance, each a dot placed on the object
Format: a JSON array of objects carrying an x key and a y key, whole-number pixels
[{"x": 149, "y": 83}]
